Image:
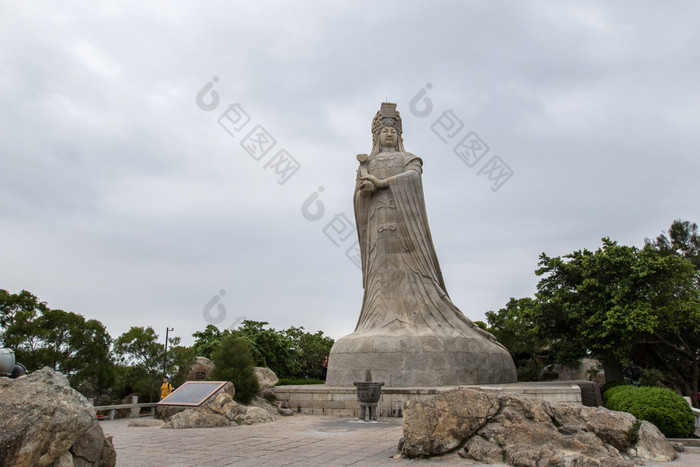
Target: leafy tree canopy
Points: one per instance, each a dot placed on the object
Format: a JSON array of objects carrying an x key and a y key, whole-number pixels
[
  {"x": 624, "y": 304},
  {"x": 61, "y": 340}
]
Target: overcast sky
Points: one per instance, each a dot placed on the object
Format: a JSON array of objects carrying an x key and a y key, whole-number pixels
[{"x": 127, "y": 198}]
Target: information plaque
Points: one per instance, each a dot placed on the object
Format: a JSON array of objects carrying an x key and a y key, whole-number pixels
[{"x": 193, "y": 393}]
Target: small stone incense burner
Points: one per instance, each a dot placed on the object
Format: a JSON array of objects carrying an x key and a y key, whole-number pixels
[{"x": 368, "y": 393}]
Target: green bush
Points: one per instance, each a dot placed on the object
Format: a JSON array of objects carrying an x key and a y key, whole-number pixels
[
  {"x": 297, "y": 382},
  {"x": 664, "y": 408},
  {"x": 612, "y": 384},
  {"x": 613, "y": 388},
  {"x": 234, "y": 362}
]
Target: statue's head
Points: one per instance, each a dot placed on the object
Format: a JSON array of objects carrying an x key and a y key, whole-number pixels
[{"x": 386, "y": 129}]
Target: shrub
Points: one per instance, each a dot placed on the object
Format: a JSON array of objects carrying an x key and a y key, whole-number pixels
[
  {"x": 612, "y": 384},
  {"x": 664, "y": 408},
  {"x": 234, "y": 362},
  {"x": 612, "y": 388}
]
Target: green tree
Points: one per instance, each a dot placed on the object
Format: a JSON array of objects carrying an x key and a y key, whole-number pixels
[
  {"x": 179, "y": 359},
  {"x": 61, "y": 340},
  {"x": 514, "y": 328},
  {"x": 141, "y": 355},
  {"x": 308, "y": 350},
  {"x": 683, "y": 239},
  {"x": 207, "y": 340},
  {"x": 19, "y": 330},
  {"x": 270, "y": 348},
  {"x": 234, "y": 362},
  {"x": 620, "y": 303},
  {"x": 22, "y": 304}
]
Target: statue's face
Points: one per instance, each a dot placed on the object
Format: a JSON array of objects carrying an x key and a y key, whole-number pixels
[{"x": 388, "y": 137}]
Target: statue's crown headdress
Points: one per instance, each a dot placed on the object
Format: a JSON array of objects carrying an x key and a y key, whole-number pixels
[{"x": 386, "y": 116}]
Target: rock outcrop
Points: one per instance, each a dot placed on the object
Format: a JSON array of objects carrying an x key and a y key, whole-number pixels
[
  {"x": 200, "y": 370},
  {"x": 45, "y": 421},
  {"x": 266, "y": 377},
  {"x": 492, "y": 428},
  {"x": 222, "y": 410}
]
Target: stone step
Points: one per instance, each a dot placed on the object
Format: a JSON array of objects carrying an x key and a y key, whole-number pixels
[{"x": 590, "y": 394}]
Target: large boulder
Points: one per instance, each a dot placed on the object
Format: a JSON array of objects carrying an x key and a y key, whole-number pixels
[
  {"x": 196, "y": 417},
  {"x": 165, "y": 412},
  {"x": 440, "y": 424},
  {"x": 266, "y": 377},
  {"x": 44, "y": 421},
  {"x": 108, "y": 458},
  {"x": 200, "y": 370},
  {"x": 255, "y": 415},
  {"x": 611, "y": 427},
  {"x": 652, "y": 444},
  {"x": 88, "y": 449},
  {"x": 274, "y": 407},
  {"x": 518, "y": 430}
]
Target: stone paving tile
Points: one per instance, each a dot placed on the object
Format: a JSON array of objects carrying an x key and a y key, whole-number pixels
[{"x": 301, "y": 440}]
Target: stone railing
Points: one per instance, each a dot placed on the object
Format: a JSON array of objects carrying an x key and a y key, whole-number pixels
[
  {"x": 696, "y": 414},
  {"x": 135, "y": 408}
]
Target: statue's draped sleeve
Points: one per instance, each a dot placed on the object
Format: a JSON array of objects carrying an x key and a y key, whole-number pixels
[{"x": 361, "y": 204}]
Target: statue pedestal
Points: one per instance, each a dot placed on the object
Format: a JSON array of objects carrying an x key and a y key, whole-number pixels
[{"x": 420, "y": 360}]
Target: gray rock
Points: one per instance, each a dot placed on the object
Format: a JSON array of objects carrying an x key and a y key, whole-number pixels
[
  {"x": 611, "y": 427},
  {"x": 271, "y": 408},
  {"x": 228, "y": 388},
  {"x": 66, "y": 460},
  {"x": 525, "y": 431},
  {"x": 440, "y": 424},
  {"x": 268, "y": 394},
  {"x": 198, "y": 417},
  {"x": 220, "y": 401},
  {"x": 108, "y": 458},
  {"x": 678, "y": 446},
  {"x": 200, "y": 370},
  {"x": 653, "y": 445},
  {"x": 164, "y": 412},
  {"x": 479, "y": 449},
  {"x": 87, "y": 449},
  {"x": 41, "y": 418},
  {"x": 266, "y": 377},
  {"x": 255, "y": 415}
]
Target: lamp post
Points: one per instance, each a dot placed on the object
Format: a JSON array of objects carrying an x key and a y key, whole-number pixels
[{"x": 165, "y": 355}]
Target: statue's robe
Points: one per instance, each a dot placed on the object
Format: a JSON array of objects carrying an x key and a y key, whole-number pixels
[{"x": 404, "y": 288}]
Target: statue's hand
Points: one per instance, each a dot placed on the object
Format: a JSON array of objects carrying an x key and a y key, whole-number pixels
[
  {"x": 375, "y": 181},
  {"x": 366, "y": 188}
]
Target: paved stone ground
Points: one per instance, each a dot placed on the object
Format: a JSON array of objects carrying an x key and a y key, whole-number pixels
[{"x": 301, "y": 440}]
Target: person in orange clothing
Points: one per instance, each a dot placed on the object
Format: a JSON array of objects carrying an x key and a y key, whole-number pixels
[{"x": 166, "y": 388}]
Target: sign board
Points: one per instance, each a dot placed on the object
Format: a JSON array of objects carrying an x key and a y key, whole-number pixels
[{"x": 193, "y": 393}]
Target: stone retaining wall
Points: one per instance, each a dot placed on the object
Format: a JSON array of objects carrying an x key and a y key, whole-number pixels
[{"x": 320, "y": 399}]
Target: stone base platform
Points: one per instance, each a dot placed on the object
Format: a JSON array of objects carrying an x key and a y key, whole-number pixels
[{"x": 320, "y": 399}]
